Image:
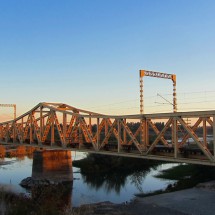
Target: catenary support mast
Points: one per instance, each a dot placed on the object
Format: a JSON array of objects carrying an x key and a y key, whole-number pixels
[{"x": 157, "y": 75}]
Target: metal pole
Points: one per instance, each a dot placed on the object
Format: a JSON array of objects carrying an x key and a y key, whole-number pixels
[
  {"x": 174, "y": 94},
  {"x": 141, "y": 92}
]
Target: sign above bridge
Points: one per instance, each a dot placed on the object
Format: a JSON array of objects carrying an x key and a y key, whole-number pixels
[{"x": 157, "y": 74}]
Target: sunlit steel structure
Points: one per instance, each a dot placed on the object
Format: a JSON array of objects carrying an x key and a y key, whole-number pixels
[
  {"x": 61, "y": 126},
  {"x": 153, "y": 74}
]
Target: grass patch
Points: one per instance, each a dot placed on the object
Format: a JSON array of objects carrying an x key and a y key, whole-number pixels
[
  {"x": 188, "y": 175},
  {"x": 178, "y": 172}
]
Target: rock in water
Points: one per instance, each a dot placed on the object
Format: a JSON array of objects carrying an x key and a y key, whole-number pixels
[{"x": 29, "y": 182}]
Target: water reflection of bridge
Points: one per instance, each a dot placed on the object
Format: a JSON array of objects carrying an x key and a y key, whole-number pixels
[{"x": 60, "y": 126}]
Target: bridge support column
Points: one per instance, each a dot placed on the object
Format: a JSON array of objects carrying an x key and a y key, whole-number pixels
[{"x": 53, "y": 165}]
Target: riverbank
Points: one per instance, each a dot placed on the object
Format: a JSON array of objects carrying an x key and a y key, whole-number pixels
[
  {"x": 197, "y": 200},
  {"x": 194, "y": 201}
]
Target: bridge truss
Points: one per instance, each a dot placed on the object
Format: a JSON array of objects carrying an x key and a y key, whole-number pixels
[{"x": 167, "y": 136}]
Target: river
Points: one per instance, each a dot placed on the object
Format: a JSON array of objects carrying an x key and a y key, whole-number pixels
[{"x": 13, "y": 170}]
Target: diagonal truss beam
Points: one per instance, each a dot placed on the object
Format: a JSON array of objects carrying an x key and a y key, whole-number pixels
[
  {"x": 110, "y": 131},
  {"x": 204, "y": 149},
  {"x": 153, "y": 126},
  {"x": 194, "y": 127},
  {"x": 133, "y": 139},
  {"x": 169, "y": 122},
  {"x": 87, "y": 133}
]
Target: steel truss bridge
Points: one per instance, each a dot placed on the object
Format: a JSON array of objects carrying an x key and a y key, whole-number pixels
[{"x": 183, "y": 137}]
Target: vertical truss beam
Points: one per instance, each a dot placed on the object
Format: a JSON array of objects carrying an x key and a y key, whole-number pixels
[
  {"x": 97, "y": 138},
  {"x": 175, "y": 136},
  {"x": 119, "y": 135}
]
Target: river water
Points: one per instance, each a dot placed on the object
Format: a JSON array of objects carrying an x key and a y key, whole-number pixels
[{"x": 14, "y": 170}]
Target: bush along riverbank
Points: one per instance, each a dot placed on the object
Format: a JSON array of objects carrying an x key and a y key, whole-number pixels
[{"x": 41, "y": 202}]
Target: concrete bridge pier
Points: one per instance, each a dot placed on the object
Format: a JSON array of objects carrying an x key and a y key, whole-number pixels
[
  {"x": 53, "y": 165},
  {"x": 52, "y": 168}
]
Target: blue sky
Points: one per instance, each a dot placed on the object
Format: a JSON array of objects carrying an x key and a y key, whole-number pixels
[{"x": 87, "y": 53}]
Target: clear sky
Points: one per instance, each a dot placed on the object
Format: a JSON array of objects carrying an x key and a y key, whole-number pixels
[{"x": 87, "y": 53}]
